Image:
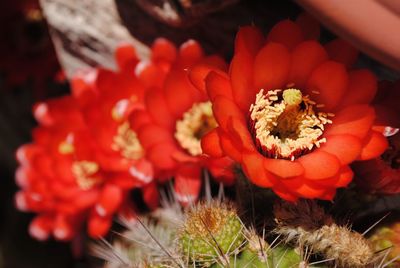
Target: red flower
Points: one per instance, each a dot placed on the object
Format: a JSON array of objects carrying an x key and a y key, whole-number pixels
[
  {"x": 381, "y": 175},
  {"x": 177, "y": 115},
  {"x": 61, "y": 178},
  {"x": 292, "y": 112},
  {"x": 107, "y": 99}
]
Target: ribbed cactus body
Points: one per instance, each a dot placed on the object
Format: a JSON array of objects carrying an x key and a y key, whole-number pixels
[{"x": 212, "y": 232}]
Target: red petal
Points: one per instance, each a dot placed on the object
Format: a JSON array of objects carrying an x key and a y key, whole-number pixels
[
  {"x": 210, "y": 144},
  {"x": 330, "y": 79},
  {"x": 361, "y": 89},
  {"x": 109, "y": 201},
  {"x": 86, "y": 199},
  {"x": 152, "y": 134},
  {"x": 151, "y": 196},
  {"x": 309, "y": 26},
  {"x": 342, "y": 179},
  {"x": 249, "y": 39},
  {"x": 319, "y": 165},
  {"x": 223, "y": 109},
  {"x": 228, "y": 146},
  {"x": 253, "y": 166},
  {"x": 25, "y": 176},
  {"x": 218, "y": 85},
  {"x": 199, "y": 72},
  {"x": 26, "y": 153},
  {"x": 63, "y": 230},
  {"x": 138, "y": 119},
  {"x": 328, "y": 195},
  {"x": 238, "y": 130},
  {"x": 345, "y": 177},
  {"x": 341, "y": 51},
  {"x": 158, "y": 109},
  {"x": 179, "y": 92},
  {"x": 150, "y": 74},
  {"x": 247, "y": 43},
  {"x": 221, "y": 169},
  {"x": 304, "y": 189},
  {"x": 162, "y": 49},
  {"x": 345, "y": 147},
  {"x": 374, "y": 146},
  {"x": 271, "y": 67},
  {"x": 162, "y": 160},
  {"x": 98, "y": 226},
  {"x": 188, "y": 184},
  {"x": 285, "y": 193},
  {"x": 124, "y": 180},
  {"x": 125, "y": 56},
  {"x": 142, "y": 170},
  {"x": 83, "y": 86},
  {"x": 283, "y": 168},
  {"x": 189, "y": 53},
  {"x": 40, "y": 227},
  {"x": 305, "y": 58},
  {"x": 287, "y": 33},
  {"x": 356, "y": 120},
  {"x": 240, "y": 72}
]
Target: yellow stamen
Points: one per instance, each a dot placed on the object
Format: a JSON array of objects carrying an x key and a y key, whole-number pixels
[
  {"x": 196, "y": 122},
  {"x": 286, "y": 124},
  {"x": 127, "y": 142},
  {"x": 67, "y": 146},
  {"x": 83, "y": 172}
]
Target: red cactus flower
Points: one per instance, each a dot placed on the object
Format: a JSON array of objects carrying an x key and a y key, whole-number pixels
[
  {"x": 292, "y": 112},
  {"x": 107, "y": 99},
  {"x": 381, "y": 175},
  {"x": 177, "y": 115},
  {"x": 61, "y": 178}
]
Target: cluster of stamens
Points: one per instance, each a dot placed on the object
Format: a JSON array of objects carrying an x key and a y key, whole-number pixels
[
  {"x": 127, "y": 142},
  {"x": 83, "y": 172},
  {"x": 195, "y": 123},
  {"x": 285, "y": 124}
]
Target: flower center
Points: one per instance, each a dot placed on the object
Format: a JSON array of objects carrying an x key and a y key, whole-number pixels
[
  {"x": 195, "y": 123},
  {"x": 83, "y": 172},
  {"x": 127, "y": 142},
  {"x": 392, "y": 154},
  {"x": 285, "y": 123}
]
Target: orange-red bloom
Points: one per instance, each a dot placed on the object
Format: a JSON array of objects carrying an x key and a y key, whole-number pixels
[
  {"x": 292, "y": 112},
  {"x": 84, "y": 157},
  {"x": 107, "y": 99},
  {"x": 176, "y": 116},
  {"x": 61, "y": 178},
  {"x": 381, "y": 175}
]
